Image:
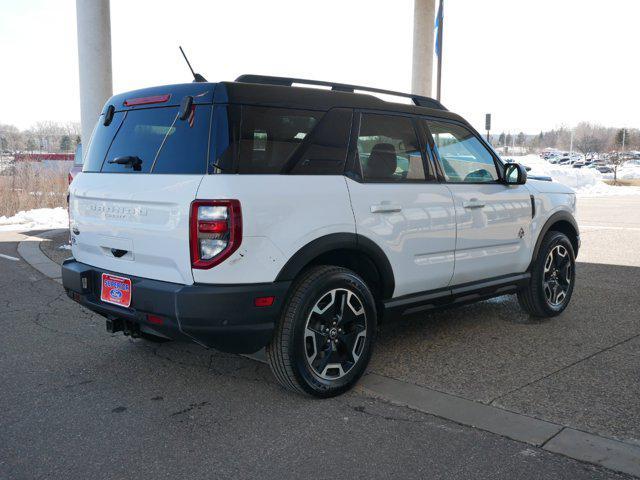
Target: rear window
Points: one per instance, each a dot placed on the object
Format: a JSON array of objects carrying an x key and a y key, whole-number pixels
[
  {"x": 152, "y": 140},
  {"x": 270, "y": 140}
]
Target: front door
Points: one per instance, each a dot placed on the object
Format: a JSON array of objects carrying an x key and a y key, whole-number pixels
[
  {"x": 493, "y": 219},
  {"x": 398, "y": 204}
]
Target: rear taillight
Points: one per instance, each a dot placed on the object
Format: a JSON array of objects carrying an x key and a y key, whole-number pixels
[{"x": 215, "y": 231}]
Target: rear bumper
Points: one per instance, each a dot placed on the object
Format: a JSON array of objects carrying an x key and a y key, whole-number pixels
[{"x": 223, "y": 317}]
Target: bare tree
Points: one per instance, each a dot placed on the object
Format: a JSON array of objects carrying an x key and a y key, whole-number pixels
[
  {"x": 590, "y": 138},
  {"x": 47, "y": 134},
  {"x": 11, "y": 139}
]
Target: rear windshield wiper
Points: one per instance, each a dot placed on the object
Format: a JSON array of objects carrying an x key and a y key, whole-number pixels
[{"x": 134, "y": 161}]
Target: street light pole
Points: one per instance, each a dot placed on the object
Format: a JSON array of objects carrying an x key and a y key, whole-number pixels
[
  {"x": 571, "y": 145},
  {"x": 439, "y": 46}
]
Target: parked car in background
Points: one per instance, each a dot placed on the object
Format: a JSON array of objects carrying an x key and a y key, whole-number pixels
[{"x": 77, "y": 163}]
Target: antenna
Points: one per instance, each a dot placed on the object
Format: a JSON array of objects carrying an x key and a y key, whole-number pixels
[{"x": 196, "y": 76}]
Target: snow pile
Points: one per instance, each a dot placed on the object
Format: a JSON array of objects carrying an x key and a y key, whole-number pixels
[
  {"x": 584, "y": 181},
  {"x": 37, "y": 219}
]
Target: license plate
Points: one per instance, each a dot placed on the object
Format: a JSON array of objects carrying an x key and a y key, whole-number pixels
[{"x": 116, "y": 290}]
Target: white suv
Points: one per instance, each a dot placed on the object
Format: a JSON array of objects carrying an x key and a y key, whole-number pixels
[{"x": 255, "y": 213}]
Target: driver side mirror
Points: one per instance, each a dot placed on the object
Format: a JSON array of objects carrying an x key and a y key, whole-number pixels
[{"x": 515, "y": 174}]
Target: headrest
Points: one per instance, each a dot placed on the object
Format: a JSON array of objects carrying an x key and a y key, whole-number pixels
[{"x": 382, "y": 162}]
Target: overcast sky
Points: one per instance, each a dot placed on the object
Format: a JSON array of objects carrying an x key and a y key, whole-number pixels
[{"x": 534, "y": 65}]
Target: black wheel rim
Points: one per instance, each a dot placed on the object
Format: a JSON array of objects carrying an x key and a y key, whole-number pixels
[
  {"x": 557, "y": 275},
  {"x": 335, "y": 333}
]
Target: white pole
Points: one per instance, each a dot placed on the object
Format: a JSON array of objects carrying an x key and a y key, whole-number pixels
[
  {"x": 424, "y": 12},
  {"x": 571, "y": 146},
  {"x": 94, "y": 61}
]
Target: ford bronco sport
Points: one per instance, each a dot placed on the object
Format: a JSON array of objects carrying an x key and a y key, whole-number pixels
[{"x": 261, "y": 213}]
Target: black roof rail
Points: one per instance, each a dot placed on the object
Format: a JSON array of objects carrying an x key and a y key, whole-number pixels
[{"x": 340, "y": 87}]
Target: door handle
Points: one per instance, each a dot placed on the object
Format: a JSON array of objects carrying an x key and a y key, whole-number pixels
[
  {"x": 473, "y": 203},
  {"x": 385, "y": 207}
]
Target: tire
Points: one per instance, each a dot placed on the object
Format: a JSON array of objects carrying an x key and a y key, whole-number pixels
[
  {"x": 325, "y": 336},
  {"x": 552, "y": 271}
]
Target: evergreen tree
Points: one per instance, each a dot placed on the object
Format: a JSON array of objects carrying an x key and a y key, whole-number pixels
[
  {"x": 31, "y": 144},
  {"x": 621, "y": 134},
  {"x": 65, "y": 143}
]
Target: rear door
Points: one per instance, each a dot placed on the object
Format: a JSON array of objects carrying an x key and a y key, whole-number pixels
[
  {"x": 129, "y": 208},
  {"x": 398, "y": 204},
  {"x": 493, "y": 218}
]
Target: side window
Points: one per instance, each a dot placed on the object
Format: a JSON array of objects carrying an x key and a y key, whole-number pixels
[
  {"x": 388, "y": 149},
  {"x": 270, "y": 136},
  {"x": 462, "y": 156},
  {"x": 326, "y": 148}
]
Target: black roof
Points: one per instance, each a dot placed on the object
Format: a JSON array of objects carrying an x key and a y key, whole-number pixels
[
  {"x": 283, "y": 94},
  {"x": 341, "y": 87},
  {"x": 278, "y": 92}
]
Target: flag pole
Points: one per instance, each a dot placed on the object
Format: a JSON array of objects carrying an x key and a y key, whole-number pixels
[{"x": 440, "y": 21}]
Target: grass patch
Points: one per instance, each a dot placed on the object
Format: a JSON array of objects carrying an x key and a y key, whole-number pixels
[
  {"x": 634, "y": 182},
  {"x": 29, "y": 185}
]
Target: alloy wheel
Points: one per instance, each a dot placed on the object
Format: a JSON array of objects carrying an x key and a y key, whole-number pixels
[
  {"x": 557, "y": 275},
  {"x": 335, "y": 333}
]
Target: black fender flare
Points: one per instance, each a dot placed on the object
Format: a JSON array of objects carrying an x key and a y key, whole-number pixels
[
  {"x": 552, "y": 220},
  {"x": 341, "y": 241}
]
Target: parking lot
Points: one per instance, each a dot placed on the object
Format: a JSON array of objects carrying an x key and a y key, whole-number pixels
[{"x": 78, "y": 402}]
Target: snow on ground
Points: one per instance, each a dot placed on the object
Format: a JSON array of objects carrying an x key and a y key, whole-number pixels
[
  {"x": 36, "y": 219},
  {"x": 586, "y": 182}
]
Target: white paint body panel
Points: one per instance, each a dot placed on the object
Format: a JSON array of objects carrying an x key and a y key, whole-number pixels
[
  {"x": 419, "y": 240},
  {"x": 432, "y": 241},
  {"x": 280, "y": 215},
  {"x": 488, "y": 242},
  {"x": 557, "y": 198},
  {"x": 146, "y": 215}
]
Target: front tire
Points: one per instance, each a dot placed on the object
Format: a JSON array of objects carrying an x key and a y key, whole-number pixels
[
  {"x": 325, "y": 336},
  {"x": 552, "y": 278}
]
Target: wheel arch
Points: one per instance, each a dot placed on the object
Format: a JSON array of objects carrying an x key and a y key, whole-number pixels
[
  {"x": 560, "y": 222},
  {"x": 348, "y": 250}
]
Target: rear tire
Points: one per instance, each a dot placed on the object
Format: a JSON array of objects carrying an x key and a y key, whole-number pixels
[
  {"x": 552, "y": 278},
  {"x": 325, "y": 336}
]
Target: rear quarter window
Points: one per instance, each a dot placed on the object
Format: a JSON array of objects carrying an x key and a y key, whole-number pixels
[
  {"x": 271, "y": 140},
  {"x": 162, "y": 142}
]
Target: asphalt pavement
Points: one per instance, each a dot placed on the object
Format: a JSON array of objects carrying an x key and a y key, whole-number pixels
[{"x": 78, "y": 402}]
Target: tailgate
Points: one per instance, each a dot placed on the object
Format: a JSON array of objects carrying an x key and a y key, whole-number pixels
[
  {"x": 134, "y": 224},
  {"x": 129, "y": 208}
]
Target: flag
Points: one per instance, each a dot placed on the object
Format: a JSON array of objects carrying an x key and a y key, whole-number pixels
[{"x": 438, "y": 28}]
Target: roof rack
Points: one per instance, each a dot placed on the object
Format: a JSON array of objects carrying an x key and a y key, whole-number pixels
[{"x": 340, "y": 87}]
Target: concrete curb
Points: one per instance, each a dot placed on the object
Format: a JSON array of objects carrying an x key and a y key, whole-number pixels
[
  {"x": 583, "y": 446},
  {"x": 29, "y": 250}
]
